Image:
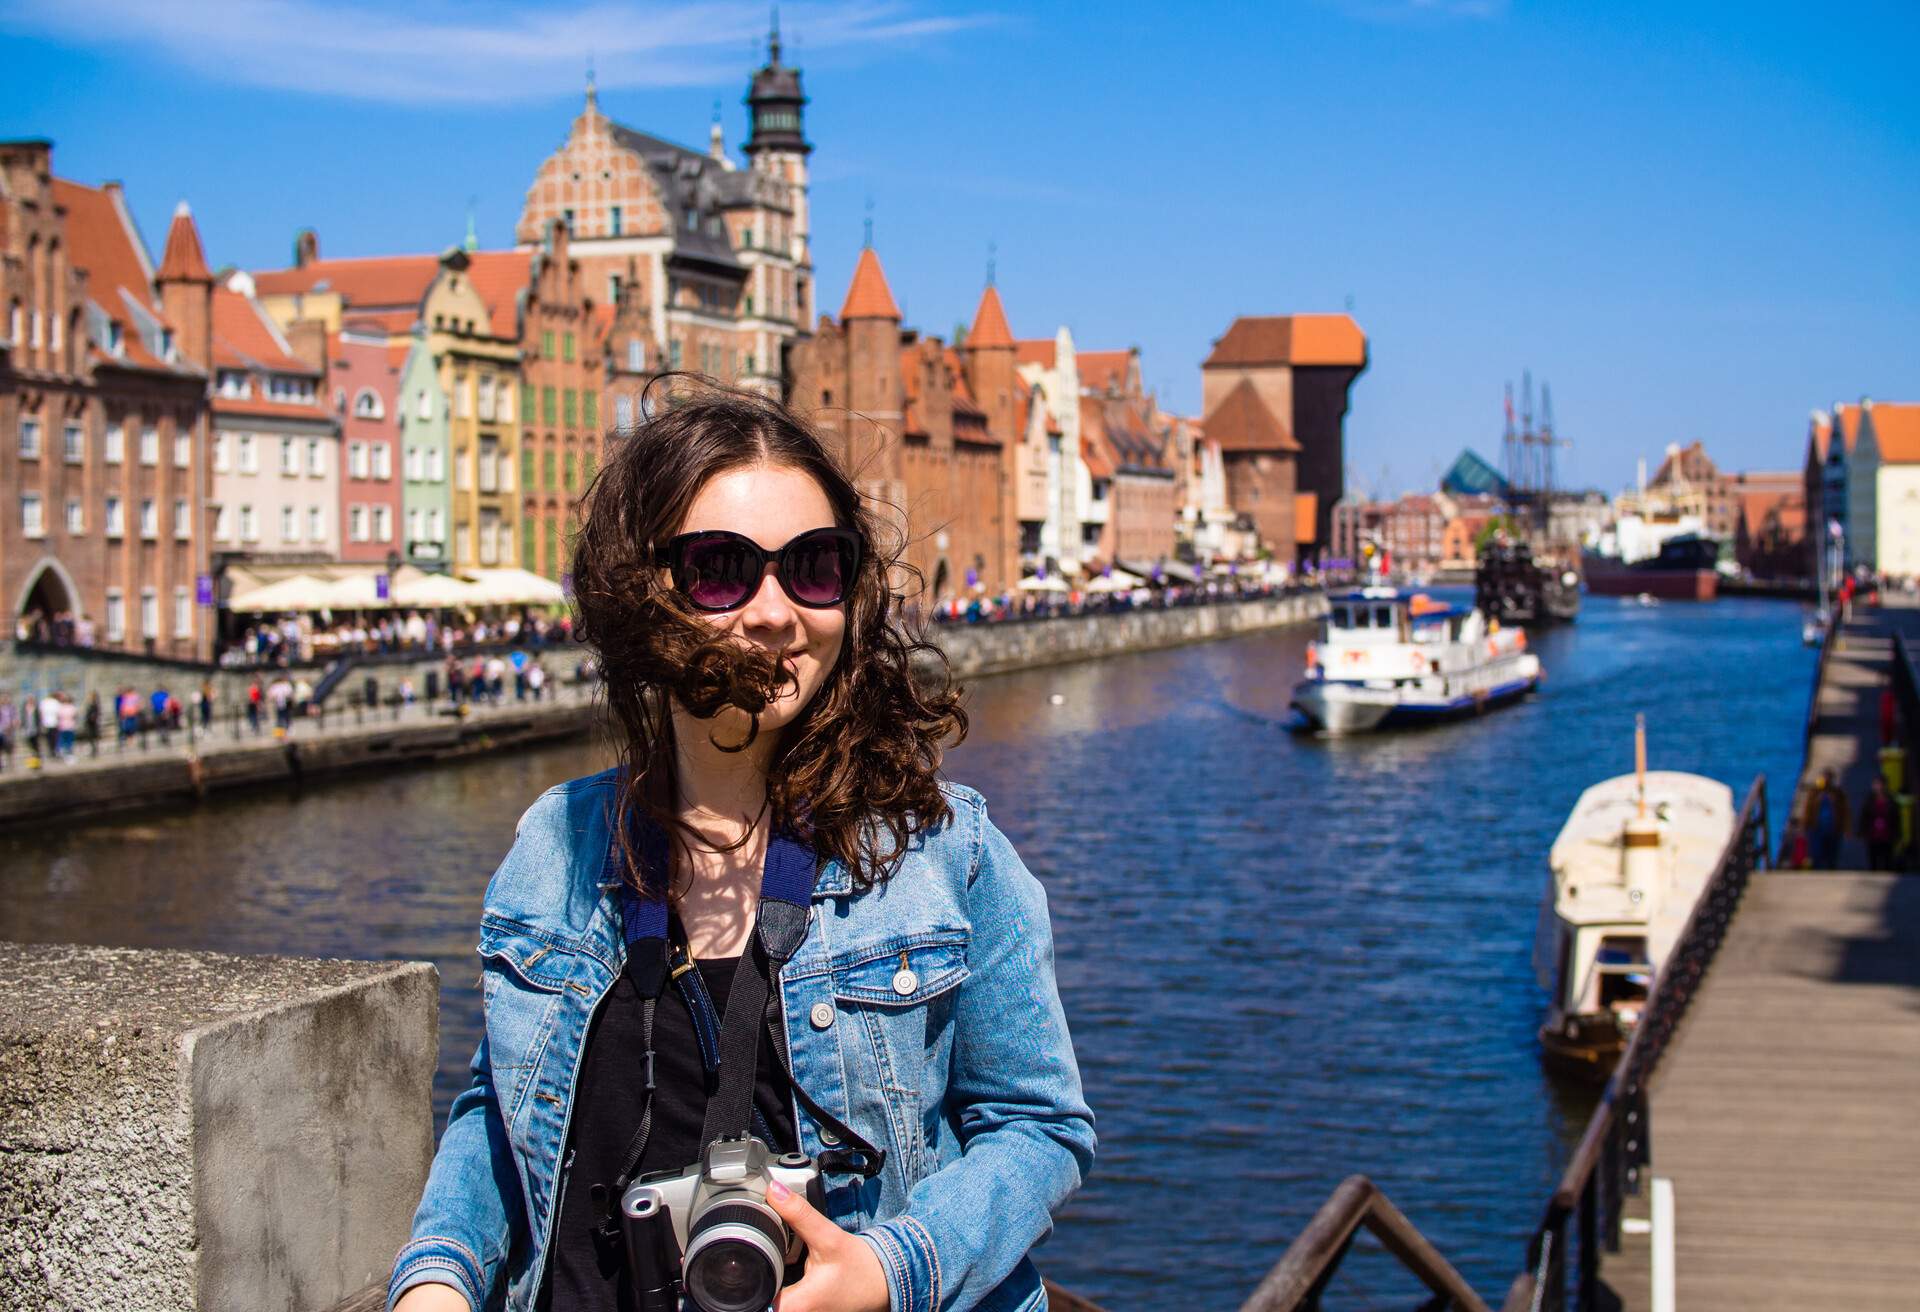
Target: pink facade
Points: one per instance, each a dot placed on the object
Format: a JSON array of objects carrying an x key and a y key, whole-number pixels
[{"x": 363, "y": 379}]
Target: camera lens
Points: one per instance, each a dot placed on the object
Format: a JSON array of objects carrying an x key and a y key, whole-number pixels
[
  {"x": 731, "y": 1276},
  {"x": 734, "y": 1260}
]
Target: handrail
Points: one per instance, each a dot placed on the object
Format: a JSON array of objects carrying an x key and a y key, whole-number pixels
[
  {"x": 1820, "y": 671},
  {"x": 1300, "y": 1277},
  {"x": 1615, "y": 1147}
]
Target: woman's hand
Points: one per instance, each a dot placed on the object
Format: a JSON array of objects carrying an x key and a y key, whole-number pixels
[
  {"x": 432, "y": 1298},
  {"x": 843, "y": 1274}
]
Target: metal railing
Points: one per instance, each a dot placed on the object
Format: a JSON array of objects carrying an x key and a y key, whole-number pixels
[
  {"x": 1616, "y": 1148},
  {"x": 1820, "y": 672},
  {"x": 1300, "y": 1278}
]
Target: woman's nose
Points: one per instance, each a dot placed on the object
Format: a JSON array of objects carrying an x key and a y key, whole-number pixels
[{"x": 768, "y": 608}]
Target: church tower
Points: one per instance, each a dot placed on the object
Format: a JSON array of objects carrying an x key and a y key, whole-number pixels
[{"x": 777, "y": 146}]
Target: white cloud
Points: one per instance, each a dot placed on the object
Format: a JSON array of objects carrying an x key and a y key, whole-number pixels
[{"x": 474, "y": 53}]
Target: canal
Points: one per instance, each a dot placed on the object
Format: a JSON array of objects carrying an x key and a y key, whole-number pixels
[{"x": 1284, "y": 960}]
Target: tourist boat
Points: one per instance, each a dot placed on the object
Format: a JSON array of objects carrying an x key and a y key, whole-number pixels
[
  {"x": 1626, "y": 870},
  {"x": 1389, "y": 660},
  {"x": 1511, "y": 586}
]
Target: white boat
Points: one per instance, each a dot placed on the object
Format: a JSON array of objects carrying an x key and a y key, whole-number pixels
[
  {"x": 1626, "y": 870},
  {"x": 1388, "y": 659},
  {"x": 1813, "y": 630}
]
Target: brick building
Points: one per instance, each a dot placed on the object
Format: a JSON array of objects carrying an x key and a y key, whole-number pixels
[
  {"x": 103, "y": 414},
  {"x": 1128, "y": 448},
  {"x": 562, "y": 372},
  {"x": 923, "y": 429},
  {"x": 1274, "y": 395},
  {"x": 720, "y": 252},
  {"x": 363, "y": 384}
]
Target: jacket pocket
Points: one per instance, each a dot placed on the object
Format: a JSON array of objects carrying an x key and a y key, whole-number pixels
[
  {"x": 522, "y": 975},
  {"x": 896, "y": 999}
]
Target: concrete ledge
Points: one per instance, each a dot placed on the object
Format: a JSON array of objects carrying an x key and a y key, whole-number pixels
[
  {"x": 184, "y": 1130},
  {"x": 974, "y": 649}
]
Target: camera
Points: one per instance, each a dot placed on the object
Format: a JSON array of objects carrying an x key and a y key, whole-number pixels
[{"x": 709, "y": 1232}]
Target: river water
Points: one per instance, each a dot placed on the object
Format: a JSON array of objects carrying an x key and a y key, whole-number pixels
[{"x": 1284, "y": 960}]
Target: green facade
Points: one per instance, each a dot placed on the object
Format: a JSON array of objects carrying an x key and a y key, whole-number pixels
[{"x": 426, "y": 463}]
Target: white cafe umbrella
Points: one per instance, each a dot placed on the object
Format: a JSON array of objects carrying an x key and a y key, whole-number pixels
[
  {"x": 1041, "y": 583},
  {"x": 436, "y": 592},
  {"x": 1119, "y": 580},
  {"x": 356, "y": 592},
  {"x": 299, "y": 593},
  {"x": 515, "y": 587}
]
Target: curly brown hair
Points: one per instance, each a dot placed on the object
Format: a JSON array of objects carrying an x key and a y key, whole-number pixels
[{"x": 857, "y": 773}]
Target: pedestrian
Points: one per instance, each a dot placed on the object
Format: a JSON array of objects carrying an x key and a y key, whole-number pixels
[
  {"x": 456, "y": 680},
  {"x": 406, "y": 690},
  {"x": 30, "y": 728},
  {"x": 280, "y": 694},
  {"x": 206, "y": 704},
  {"x": 9, "y": 726},
  {"x": 1879, "y": 825},
  {"x": 255, "y": 695},
  {"x": 1889, "y": 712},
  {"x": 69, "y": 726},
  {"x": 773, "y": 821},
  {"x": 50, "y": 725},
  {"x": 496, "y": 680},
  {"x": 1825, "y": 819},
  {"x": 536, "y": 679},
  {"x": 92, "y": 722},
  {"x": 1793, "y": 845}
]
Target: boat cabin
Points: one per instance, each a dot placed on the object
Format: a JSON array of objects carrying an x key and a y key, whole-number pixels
[{"x": 1382, "y": 616}]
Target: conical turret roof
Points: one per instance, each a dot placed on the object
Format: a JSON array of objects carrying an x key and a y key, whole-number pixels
[
  {"x": 184, "y": 260},
  {"x": 990, "y": 324},
  {"x": 868, "y": 296}
]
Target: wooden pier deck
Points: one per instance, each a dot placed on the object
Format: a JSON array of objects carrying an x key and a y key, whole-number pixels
[{"x": 1786, "y": 1112}]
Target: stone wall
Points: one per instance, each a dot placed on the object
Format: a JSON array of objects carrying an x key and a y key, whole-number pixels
[
  {"x": 186, "y": 1130},
  {"x": 975, "y": 649}
]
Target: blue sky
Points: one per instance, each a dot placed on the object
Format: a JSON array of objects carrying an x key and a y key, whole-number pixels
[{"x": 1694, "y": 221}]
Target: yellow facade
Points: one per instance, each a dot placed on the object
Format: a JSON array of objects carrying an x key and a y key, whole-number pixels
[
  {"x": 480, "y": 374},
  {"x": 1897, "y": 520}
]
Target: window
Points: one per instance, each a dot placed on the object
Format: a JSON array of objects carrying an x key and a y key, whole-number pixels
[
  {"x": 548, "y": 404},
  {"x": 749, "y": 368},
  {"x": 566, "y": 217},
  {"x": 566, "y": 347},
  {"x": 423, "y": 405},
  {"x": 415, "y": 466},
  {"x": 526, "y": 405},
  {"x": 249, "y": 525},
  {"x": 546, "y": 344},
  {"x": 289, "y": 525},
  {"x": 462, "y": 470},
  {"x": 437, "y": 464},
  {"x": 367, "y": 405},
  {"x": 613, "y": 281},
  {"x": 29, "y": 439},
  {"x": 749, "y": 307},
  {"x": 546, "y": 471},
  {"x": 636, "y": 355},
  {"x": 573, "y": 470},
  {"x": 149, "y": 613},
  {"x": 622, "y": 412},
  {"x": 316, "y": 525},
  {"x": 116, "y": 449},
  {"x": 316, "y": 458},
  {"x": 413, "y": 524},
  {"x": 569, "y": 407},
  {"x": 526, "y": 466},
  {"x": 746, "y": 237},
  {"x": 76, "y": 515},
  {"x": 436, "y": 526},
  {"x": 222, "y": 456},
  {"x": 526, "y": 543},
  {"x": 382, "y": 460},
  {"x": 32, "y": 520},
  {"x": 613, "y": 229},
  {"x": 116, "y": 615},
  {"x": 357, "y": 459},
  {"x": 149, "y": 446},
  {"x": 182, "y": 519},
  {"x": 182, "y": 612},
  {"x": 222, "y": 523},
  {"x": 289, "y": 458},
  {"x": 116, "y": 517},
  {"x": 383, "y": 523},
  {"x": 149, "y": 518},
  {"x": 486, "y": 396},
  {"x": 183, "y": 450},
  {"x": 462, "y": 397},
  {"x": 693, "y": 219},
  {"x": 249, "y": 455},
  {"x": 357, "y": 523},
  {"x": 340, "y": 400},
  {"x": 586, "y": 467},
  {"x": 676, "y": 353},
  {"x": 234, "y": 385},
  {"x": 504, "y": 405},
  {"x": 73, "y": 443},
  {"x": 590, "y": 408}
]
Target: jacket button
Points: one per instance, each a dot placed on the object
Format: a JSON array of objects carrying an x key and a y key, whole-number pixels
[
  {"x": 821, "y": 1015},
  {"x": 829, "y": 1138},
  {"x": 905, "y": 982}
]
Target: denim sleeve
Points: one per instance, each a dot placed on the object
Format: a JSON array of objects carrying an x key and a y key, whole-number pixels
[
  {"x": 464, "y": 1226},
  {"x": 1025, "y": 1130}
]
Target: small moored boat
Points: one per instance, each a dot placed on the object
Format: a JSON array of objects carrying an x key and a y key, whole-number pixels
[
  {"x": 1626, "y": 870},
  {"x": 1389, "y": 660}
]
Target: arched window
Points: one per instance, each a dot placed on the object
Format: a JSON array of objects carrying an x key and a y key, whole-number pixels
[
  {"x": 366, "y": 405},
  {"x": 16, "y": 324}
]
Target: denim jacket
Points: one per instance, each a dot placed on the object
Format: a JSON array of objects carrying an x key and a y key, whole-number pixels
[{"x": 968, "y": 1079}]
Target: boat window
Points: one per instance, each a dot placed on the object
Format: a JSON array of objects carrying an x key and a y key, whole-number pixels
[
  {"x": 1340, "y": 618},
  {"x": 1383, "y": 617}
]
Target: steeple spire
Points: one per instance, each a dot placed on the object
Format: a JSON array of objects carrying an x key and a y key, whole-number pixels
[
  {"x": 593, "y": 96},
  {"x": 773, "y": 40}
]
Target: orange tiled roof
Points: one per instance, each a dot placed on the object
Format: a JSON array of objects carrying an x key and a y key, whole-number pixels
[
  {"x": 989, "y": 323},
  {"x": 381, "y": 321},
  {"x": 244, "y": 338},
  {"x": 1042, "y": 351},
  {"x": 1300, "y": 339},
  {"x": 101, "y": 240},
  {"x": 1819, "y": 432},
  {"x": 383, "y": 280},
  {"x": 1789, "y": 507},
  {"x": 1896, "y": 430},
  {"x": 1306, "y": 514},
  {"x": 500, "y": 277},
  {"x": 184, "y": 260},
  {"x": 1244, "y": 422},
  {"x": 963, "y": 401},
  {"x": 1100, "y": 368},
  {"x": 1848, "y": 417},
  {"x": 868, "y": 296},
  {"x": 261, "y": 408}
]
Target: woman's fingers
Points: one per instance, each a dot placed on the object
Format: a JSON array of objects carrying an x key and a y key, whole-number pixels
[{"x": 818, "y": 1233}]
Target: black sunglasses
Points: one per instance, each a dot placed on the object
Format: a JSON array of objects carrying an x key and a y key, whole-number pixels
[{"x": 716, "y": 570}]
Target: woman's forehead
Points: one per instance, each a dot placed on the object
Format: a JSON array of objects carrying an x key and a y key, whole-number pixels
[{"x": 768, "y": 503}]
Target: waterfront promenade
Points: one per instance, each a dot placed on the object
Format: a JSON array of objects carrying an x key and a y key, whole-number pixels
[{"x": 1783, "y": 1114}]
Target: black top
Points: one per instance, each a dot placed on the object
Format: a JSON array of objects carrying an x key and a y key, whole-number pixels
[{"x": 606, "y": 1112}]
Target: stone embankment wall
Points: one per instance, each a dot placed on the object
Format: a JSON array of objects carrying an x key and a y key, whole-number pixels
[
  {"x": 975, "y": 649},
  {"x": 186, "y": 1130}
]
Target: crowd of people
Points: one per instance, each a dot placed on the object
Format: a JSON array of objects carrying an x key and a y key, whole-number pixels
[
  {"x": 52, "y": 726},
  {"x": 1082, "y": 600},
  {"x": 299, "y": 639}
]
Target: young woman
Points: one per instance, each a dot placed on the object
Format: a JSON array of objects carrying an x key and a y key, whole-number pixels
[{"x": 728, "y": 579}]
